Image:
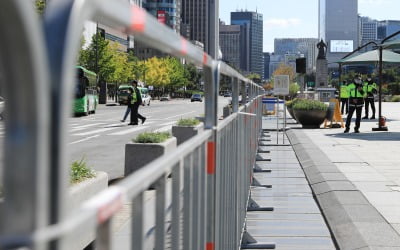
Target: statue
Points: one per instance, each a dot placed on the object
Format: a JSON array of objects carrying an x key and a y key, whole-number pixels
[{"x": 321, "y": 50}]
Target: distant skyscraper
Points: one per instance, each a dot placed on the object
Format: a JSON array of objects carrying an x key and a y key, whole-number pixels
[
  {"x": 234, "y": 42},
  {"x": 168, "y": 13},
  {"x": 298, "y": 46},
  {"x": 368, "y": 31},
  {"x": 194, "y": 16},
  {"x": 267, "y": 58},
  {"x": 275, "y": 61},
  {"x": 254, "y": 22},
  {"x": 338, "y": 26},
  {"x": 229, "y": 40},
  {"x": 387, "y": 28}
]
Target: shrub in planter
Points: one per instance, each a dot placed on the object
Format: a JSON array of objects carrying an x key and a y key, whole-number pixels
[
  {"x": 80, "y": 171},
  {"x": 186, "y": 129},
  {"x": 310, "y": 113},
  {"x": 395, "y": 98},
  {"x": 147, "y": 147}
]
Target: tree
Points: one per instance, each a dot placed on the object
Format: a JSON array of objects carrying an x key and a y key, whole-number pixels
[
  {"x": 176, "y": 73},
  {"x": 192, "y": 75},
  {"x": 105, "y": 66},
  {"x": 254, "y": 77},
  {"x": 40, "y": 6},
  {"x": 284, "y": 69}
]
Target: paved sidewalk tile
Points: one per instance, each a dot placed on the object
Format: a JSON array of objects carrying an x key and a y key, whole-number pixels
[{"x": 296, "y": 222}]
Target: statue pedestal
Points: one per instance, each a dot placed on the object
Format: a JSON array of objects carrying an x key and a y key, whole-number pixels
[{"x": 321, "y": 74}]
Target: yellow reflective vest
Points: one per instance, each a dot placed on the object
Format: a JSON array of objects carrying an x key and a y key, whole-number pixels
[{"x": 344, "y": 92}]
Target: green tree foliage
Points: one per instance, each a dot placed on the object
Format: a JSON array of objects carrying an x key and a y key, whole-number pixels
[
  {"x": 293, "y": 89},
  {"x": 254, "y": 77},
  {"x": 116, "y": 66},
  {"x": 40, "y": 6}
]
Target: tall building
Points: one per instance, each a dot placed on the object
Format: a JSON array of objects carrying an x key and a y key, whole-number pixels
[
  {"x": 254, "y": 22},
  {"x": 234, "y": 41},
  {"x": 387, "y": 28},
  {"x": 267, "y": 58},
  {"x": 229, "y": 40},
  {"x": 295, "y": 46},
  {"x": 194, "y": 16},
  {"x": 368, "y": 31},
  {"x": 166, "y": 12},
  {"x": 338, "y": 27},
  {"x": 115, "y": 35},
  {"x": 275, "y": 61}
]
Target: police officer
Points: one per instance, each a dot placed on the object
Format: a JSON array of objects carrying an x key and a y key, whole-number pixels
[
  {"x": 370, "y": 90},
  {"x": 135, "y": 100},
  {"x": 344, "y": 97},
  {"x": 356, "y": 102}
]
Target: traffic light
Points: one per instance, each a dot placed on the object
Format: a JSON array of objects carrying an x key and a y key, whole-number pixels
[{"x": 301, "y": 65}]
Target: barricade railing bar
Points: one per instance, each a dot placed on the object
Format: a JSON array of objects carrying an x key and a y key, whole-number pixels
[{"x": 201, "y": 189}]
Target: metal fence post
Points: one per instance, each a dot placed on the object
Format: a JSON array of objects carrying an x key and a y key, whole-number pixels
[
  {"x": 235, "y": 94},
  {"x": 24, "y": 72}
]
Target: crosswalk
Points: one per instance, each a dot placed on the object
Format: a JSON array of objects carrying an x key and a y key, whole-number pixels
[{"x": 86, "y": 131}]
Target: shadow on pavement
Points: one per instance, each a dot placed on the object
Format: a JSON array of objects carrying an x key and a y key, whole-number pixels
[{"x": 368, "y": 136}]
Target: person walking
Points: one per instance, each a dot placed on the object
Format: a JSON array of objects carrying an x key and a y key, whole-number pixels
[
  {"x": 128, "y": 107},
  {"x": 370, "y": 88},
  {"x": 356, "y": 102},
  {"x": 344, "y": 97},
  {"x": 135, "y": 101}
]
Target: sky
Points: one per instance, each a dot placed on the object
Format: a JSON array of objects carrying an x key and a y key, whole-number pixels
[{"x": 299, "y": 18}]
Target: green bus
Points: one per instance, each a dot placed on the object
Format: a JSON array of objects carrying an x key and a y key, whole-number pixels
[{"x": 86, "y": 96}]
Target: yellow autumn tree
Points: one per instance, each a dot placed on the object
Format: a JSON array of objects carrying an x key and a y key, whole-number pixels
[
  {"x": 284, "y": 69},
  {"x": 156, "y": 72}
]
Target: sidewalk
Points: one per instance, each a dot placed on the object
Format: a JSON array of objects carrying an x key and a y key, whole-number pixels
[
  {"x": 296, "y": 222},
  {"x": 356, "y": 180}
]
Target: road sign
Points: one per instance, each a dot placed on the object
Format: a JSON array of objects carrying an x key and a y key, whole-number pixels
[{"x": 281, "y": 85}]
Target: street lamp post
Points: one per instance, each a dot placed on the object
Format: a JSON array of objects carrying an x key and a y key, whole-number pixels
[{"x": 381, "y": 123}]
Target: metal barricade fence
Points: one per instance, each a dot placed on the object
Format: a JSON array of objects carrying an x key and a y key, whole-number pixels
[{"x": 208, "y": 177}]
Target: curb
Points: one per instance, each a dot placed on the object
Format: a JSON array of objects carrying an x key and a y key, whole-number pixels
[{"x": 353, "y": 221}]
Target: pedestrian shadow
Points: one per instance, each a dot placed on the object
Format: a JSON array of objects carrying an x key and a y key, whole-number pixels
[{"x": 368, "y": 136}]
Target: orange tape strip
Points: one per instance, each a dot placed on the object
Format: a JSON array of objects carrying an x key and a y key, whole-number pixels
[
  {"x": 184, "y": 46},
  {"x": 210, "y": 246},
  {"x": 105, "y": 212},
  {"x": 138, "y": 19},
  {"x": 211, "y": 157},
  {"x": 204, "y": 58}
]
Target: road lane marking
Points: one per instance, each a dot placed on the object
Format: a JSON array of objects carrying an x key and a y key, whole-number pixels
[
  {"x": 95, "y": 131},
  {"x": 164, "y": 129},
  {"x": 77, "y": 128},
  {"x": 179, "y": 115},
  {"x": 85, "y": 139},
  {"x": 168, "y": 123},
  {"x": 128, "y": 131}
]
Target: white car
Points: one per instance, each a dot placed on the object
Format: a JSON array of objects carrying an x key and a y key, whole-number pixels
[{"x": 146, "y": 99}]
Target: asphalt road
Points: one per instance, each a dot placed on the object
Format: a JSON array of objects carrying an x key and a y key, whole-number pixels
[{"x": 100, "y": 138}]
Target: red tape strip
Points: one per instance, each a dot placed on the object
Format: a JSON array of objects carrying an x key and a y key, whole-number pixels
[
  {"x": 138, "y": 19},
  {"x": 210, "y": 246},
  {"x": 211, "y": 157}
]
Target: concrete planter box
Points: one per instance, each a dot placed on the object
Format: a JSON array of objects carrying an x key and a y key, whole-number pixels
[
  {"x": 139, "y": 154},
  {"x": 310, "y": 118},
  {"x": 79, "y": 193},
  {"x": 184, "y": 133},
  {"x": 226, "y": 111}
]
